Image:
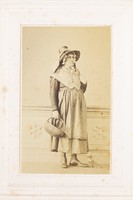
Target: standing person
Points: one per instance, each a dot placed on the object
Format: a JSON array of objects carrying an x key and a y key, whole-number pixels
[{"x": 67, "y": 89}]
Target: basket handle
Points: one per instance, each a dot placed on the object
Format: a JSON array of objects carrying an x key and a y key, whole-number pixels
[{"x": 60, "y": 119}]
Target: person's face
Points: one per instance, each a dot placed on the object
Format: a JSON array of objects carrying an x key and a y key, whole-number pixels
[{"x": 70, "y": 60}]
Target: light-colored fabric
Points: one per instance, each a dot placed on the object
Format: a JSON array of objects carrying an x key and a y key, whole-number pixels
[
  {"x": 70, "y": 77},
  {"x": 73, "y": 146},
  {"x": 72, "y": 108}
]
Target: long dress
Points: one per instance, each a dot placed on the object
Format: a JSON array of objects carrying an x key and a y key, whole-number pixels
[{"x": 67, "y": 96}]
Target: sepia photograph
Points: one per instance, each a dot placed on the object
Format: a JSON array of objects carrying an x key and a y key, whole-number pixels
[{"x": 65, "y": 100}]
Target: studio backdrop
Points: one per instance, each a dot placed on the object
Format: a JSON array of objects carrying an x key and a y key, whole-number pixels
[{"x": 39, "y": 52}]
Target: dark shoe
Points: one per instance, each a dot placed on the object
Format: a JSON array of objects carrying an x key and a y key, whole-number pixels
[
  {"x": 73, "y": 163},
  {"x": 77, "y": 163}
]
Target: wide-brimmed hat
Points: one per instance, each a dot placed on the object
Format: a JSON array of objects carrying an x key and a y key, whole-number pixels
[{"x": 65, "y": 50}]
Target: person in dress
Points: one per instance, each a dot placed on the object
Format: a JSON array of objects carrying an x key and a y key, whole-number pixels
[{"x": 67, "y": 89}]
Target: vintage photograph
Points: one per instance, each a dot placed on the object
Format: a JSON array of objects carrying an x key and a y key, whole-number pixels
[{"x": 65, "y": 100}]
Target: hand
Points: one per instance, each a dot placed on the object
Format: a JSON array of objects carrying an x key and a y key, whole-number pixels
[{"x": 55, "y": 114}]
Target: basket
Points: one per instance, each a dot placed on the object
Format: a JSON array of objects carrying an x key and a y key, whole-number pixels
[{"x": 55, "y": 127}]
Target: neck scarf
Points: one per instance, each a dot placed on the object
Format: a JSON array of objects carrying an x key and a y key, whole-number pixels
[{"x": 69, "y": 76}]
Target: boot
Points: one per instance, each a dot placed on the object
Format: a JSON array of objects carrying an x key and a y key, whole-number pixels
[{"x": 75, "y": 162}]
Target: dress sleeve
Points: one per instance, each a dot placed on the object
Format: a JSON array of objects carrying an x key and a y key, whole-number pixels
[{"x": 54, "y": 89}]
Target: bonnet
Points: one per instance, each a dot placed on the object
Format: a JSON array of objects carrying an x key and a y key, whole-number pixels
[{"x": 63, "y": 51}]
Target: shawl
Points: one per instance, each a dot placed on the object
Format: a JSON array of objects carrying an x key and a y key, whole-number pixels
[{"x": 70, "y": 77}]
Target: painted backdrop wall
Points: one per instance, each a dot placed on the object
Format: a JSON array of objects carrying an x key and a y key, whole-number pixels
[{"x": 40, "y": 47}]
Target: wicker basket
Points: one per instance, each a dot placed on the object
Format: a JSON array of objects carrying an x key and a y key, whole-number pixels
[{"x": 55, "y": 127}]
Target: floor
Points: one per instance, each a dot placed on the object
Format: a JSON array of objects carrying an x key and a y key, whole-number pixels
[{"x": 45, "y": 162}]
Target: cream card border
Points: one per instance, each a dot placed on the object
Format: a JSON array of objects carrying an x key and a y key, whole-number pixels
[{"x": 118, "y": 15}]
